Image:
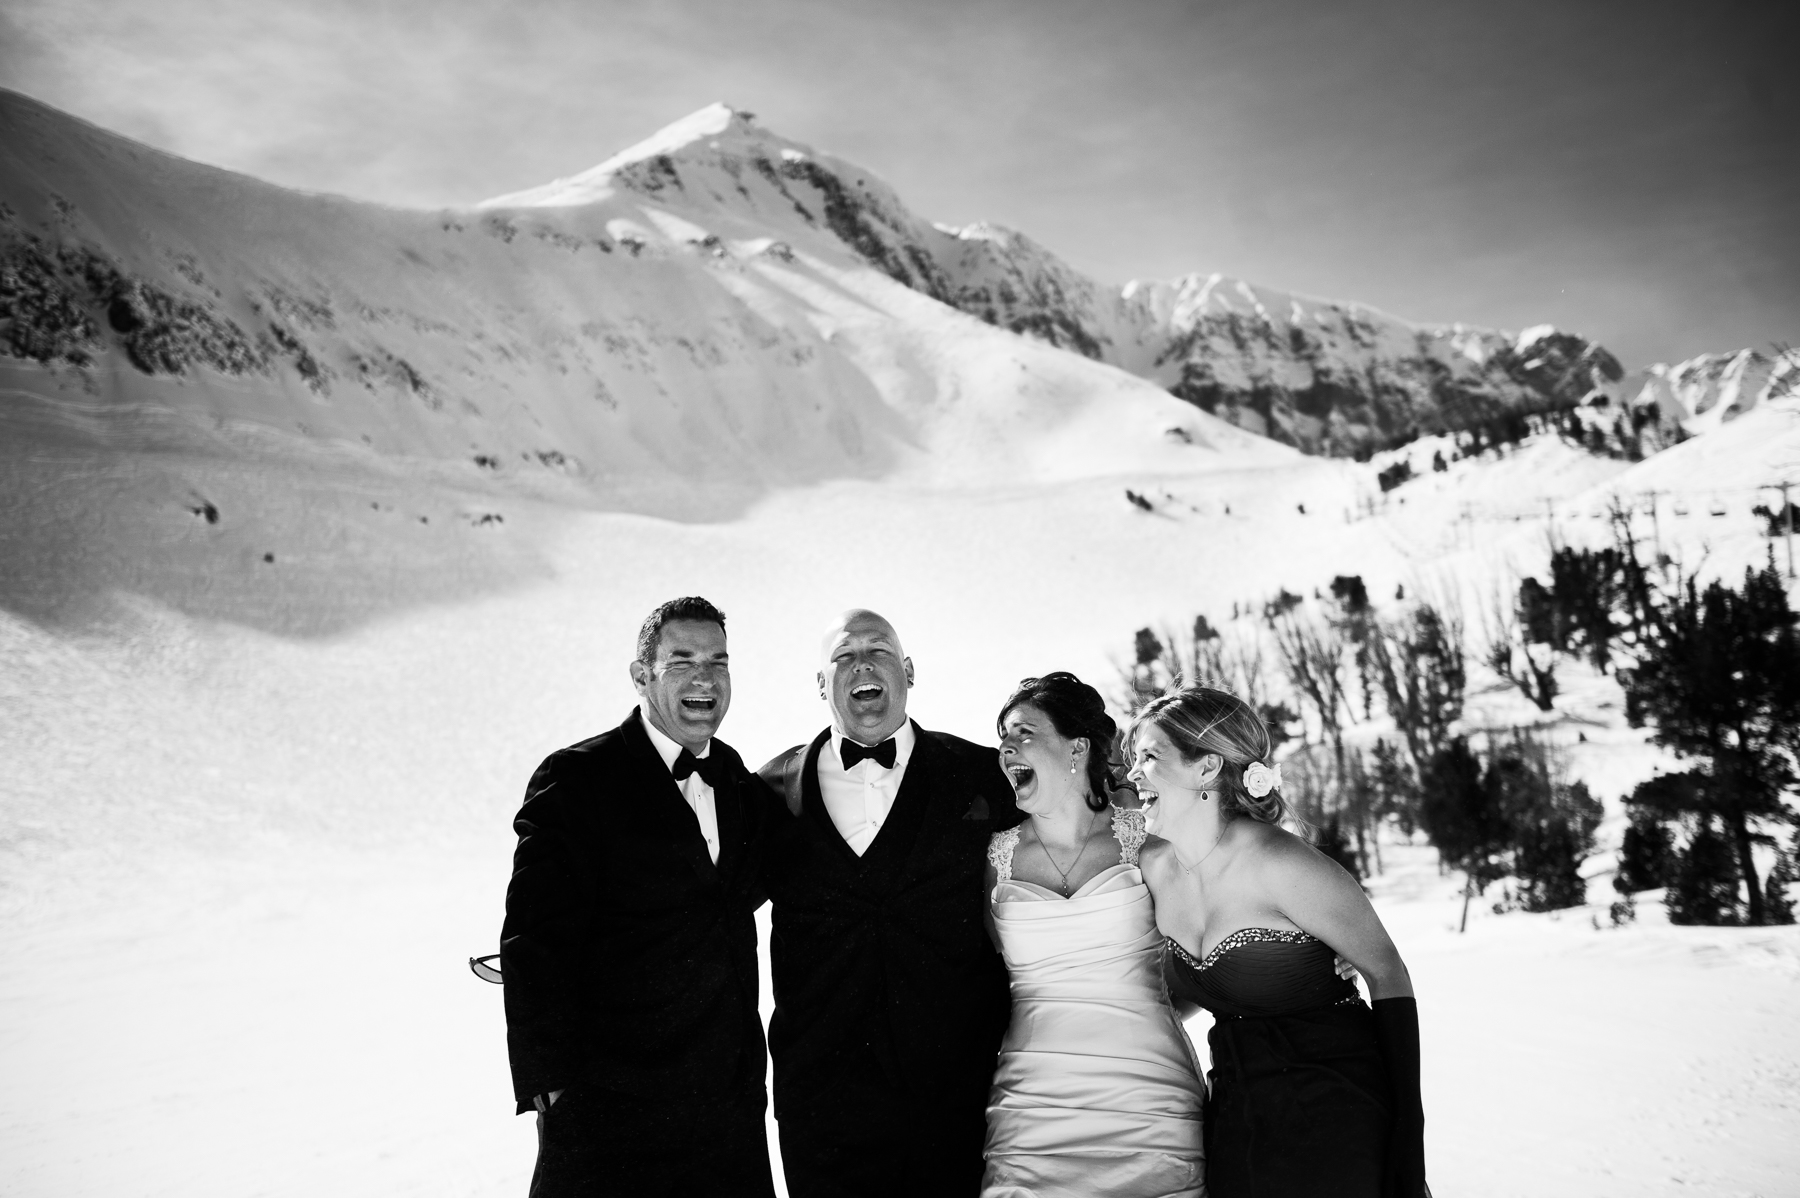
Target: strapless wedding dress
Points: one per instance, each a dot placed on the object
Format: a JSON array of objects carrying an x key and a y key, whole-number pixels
[{"x": 1097, "y": 1090}]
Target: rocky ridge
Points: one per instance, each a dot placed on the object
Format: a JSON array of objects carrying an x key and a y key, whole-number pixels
[{"x": 1326, "y": 377}]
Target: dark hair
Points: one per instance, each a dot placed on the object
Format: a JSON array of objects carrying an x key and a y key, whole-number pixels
[
  {"x": 1199, "y": 720},
  {"x": 1074, "y": 709},
  {"x": 690, "y": 607}
]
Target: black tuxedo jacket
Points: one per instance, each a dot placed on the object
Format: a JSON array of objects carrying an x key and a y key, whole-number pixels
[
  {"x": 629, "y": 957},
  {"x": 884, "y": 974}
]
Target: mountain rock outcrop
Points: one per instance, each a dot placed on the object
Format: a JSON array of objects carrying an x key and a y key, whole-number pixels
[{"x": 1649, "y": 410}]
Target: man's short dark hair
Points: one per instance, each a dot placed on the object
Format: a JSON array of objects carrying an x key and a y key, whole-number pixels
[{"x": 689, "y": 607}]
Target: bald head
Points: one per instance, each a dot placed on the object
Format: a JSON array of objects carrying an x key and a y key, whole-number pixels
[{"x": 864, "y": 675}]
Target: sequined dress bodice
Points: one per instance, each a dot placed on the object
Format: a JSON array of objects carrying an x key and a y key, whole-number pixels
[{"x": 1260, "y": 971}]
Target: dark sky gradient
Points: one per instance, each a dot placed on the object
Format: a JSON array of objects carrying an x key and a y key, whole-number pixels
[{"x": 1626, "y": 170}]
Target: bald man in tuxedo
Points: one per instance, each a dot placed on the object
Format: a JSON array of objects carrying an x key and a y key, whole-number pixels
[{"x": 890, "y": 1000}]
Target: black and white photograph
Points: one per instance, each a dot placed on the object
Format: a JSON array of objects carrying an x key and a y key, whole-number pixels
[{"x": 830, "y": 599}]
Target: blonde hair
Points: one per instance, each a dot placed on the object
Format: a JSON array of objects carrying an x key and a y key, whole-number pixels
[{"x": 1199, "y": 720}]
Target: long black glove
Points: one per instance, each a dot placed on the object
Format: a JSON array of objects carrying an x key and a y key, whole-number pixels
[{"x": 1397, "y": 1034}]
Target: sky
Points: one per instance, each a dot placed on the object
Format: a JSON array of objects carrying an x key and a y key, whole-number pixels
[{"x": 1625, "y": 169}]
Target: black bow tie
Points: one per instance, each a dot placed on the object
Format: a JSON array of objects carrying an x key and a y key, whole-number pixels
[
  {"x": 882, "y": 754},
  {"x": 710, "y": 768}
]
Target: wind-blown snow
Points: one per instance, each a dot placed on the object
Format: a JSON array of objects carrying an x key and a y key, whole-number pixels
[{"x": 595, "y": 184}]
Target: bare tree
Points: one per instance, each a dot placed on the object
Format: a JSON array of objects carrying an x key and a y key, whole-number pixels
[
  {"x": 1232, "y": 659},
  {"x": 1315, "y": 658}
]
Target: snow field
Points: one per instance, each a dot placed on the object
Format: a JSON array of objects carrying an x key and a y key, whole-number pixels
[{"x": 242, "y": 871}]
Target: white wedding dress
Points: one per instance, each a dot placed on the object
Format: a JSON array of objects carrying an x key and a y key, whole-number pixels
[{"x": 1097, "y": 1091}]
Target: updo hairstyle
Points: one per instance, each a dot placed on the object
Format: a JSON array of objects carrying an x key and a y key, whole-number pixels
[
  {"x": 1074, "y": 709},
  {"x": 1199, "y": 720}
]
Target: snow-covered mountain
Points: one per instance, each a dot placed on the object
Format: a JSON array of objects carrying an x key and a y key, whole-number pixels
[
  {"x": 715, "y": 322},
  {"x": 1324, "y": 376},
  {"x": 713, "y": 303}
]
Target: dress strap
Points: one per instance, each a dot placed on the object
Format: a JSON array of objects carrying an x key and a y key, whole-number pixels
[
  {"x": 1129, "y": 830},
  {"x": 1000, "y": 852}
]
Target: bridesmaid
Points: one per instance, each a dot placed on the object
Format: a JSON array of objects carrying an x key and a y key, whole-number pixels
[{"x": 1310, "y": 1092}]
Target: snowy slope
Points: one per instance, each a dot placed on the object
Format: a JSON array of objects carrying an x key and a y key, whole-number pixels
[
  {"x": 643, "y": 328},
  {"x": 670, "y": 343}
]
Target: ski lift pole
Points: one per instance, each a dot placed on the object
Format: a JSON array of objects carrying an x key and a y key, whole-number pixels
[
  {"x": 1656, "y": 530},
  {"x": 1787, "y": 519}
]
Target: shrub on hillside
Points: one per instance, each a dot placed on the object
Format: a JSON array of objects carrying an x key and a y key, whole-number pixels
[
  {"x": 1705, "y": 887},
  {"x": 1462, "y": 819},
  {"x": 1646, "y": 854},
  {"x": 1550, "y": 846}
]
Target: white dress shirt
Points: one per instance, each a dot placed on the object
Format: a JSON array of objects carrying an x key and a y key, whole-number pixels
[
  {"x": 859, "y": 799},
  {"x": 693, "y": 787}
]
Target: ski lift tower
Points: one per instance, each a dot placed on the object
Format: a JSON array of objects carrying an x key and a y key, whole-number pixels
[{"x": 1787, "y": 514}]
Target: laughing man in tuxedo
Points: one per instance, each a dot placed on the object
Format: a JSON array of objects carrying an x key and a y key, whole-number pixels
[
  {"x": 629, "y": 948},
  {"x": 890, "y": 1001}
]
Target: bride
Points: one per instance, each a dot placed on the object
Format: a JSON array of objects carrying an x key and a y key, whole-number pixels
[{"x": 1097, "y": 1090}]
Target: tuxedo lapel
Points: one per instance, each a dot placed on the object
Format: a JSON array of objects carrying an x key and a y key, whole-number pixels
[
  {"x": 929, "y": 772},
  {"x": 728, "y": 810},
  {"x": 812, "y": 801},
  {"x": 666, "y": 806}
]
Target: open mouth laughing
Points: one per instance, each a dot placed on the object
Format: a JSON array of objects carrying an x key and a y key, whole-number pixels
[
  {"x": 866, "y": 692},
  {"x": 700, "y": 704},
  {"x": 1020, "y": 774}
]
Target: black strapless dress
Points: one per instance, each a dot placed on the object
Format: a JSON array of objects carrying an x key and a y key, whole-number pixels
[{"x": 1299, "y": 1101}]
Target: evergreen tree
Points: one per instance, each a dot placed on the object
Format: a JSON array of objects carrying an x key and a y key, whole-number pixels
[
  {"x": 1541, "y": 617},
  {"x": 1705, "y": 889},
  {"x": 1419, "y": 663},
  {"x": 1145, "y": 678},
  {"x": 1646, "y": 855},
  {"x": 1458, "y": 813},
  {"x": 1719, "y": 681},
  {"x": 1396, "y": 786},
  {"x": 1549, "y": 850},
  {"x": 1522, "y": 640},
  {"x": 1586, "y": 587},
  {"x": 1551, "y": 823}
]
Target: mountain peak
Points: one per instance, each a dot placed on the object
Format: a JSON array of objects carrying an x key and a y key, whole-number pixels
[{"x": 711, "y": 124}]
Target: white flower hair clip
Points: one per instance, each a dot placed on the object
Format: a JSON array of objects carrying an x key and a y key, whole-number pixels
[{"x": 1260, "y": 779}]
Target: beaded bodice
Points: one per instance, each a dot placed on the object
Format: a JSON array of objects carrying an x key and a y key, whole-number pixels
[{"x": 1260, "y": 971}]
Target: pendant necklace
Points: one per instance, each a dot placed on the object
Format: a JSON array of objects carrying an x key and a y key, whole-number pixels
[
  {"x": 1217, "y": 840},
  {"x": 1066, "y": 872}
]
